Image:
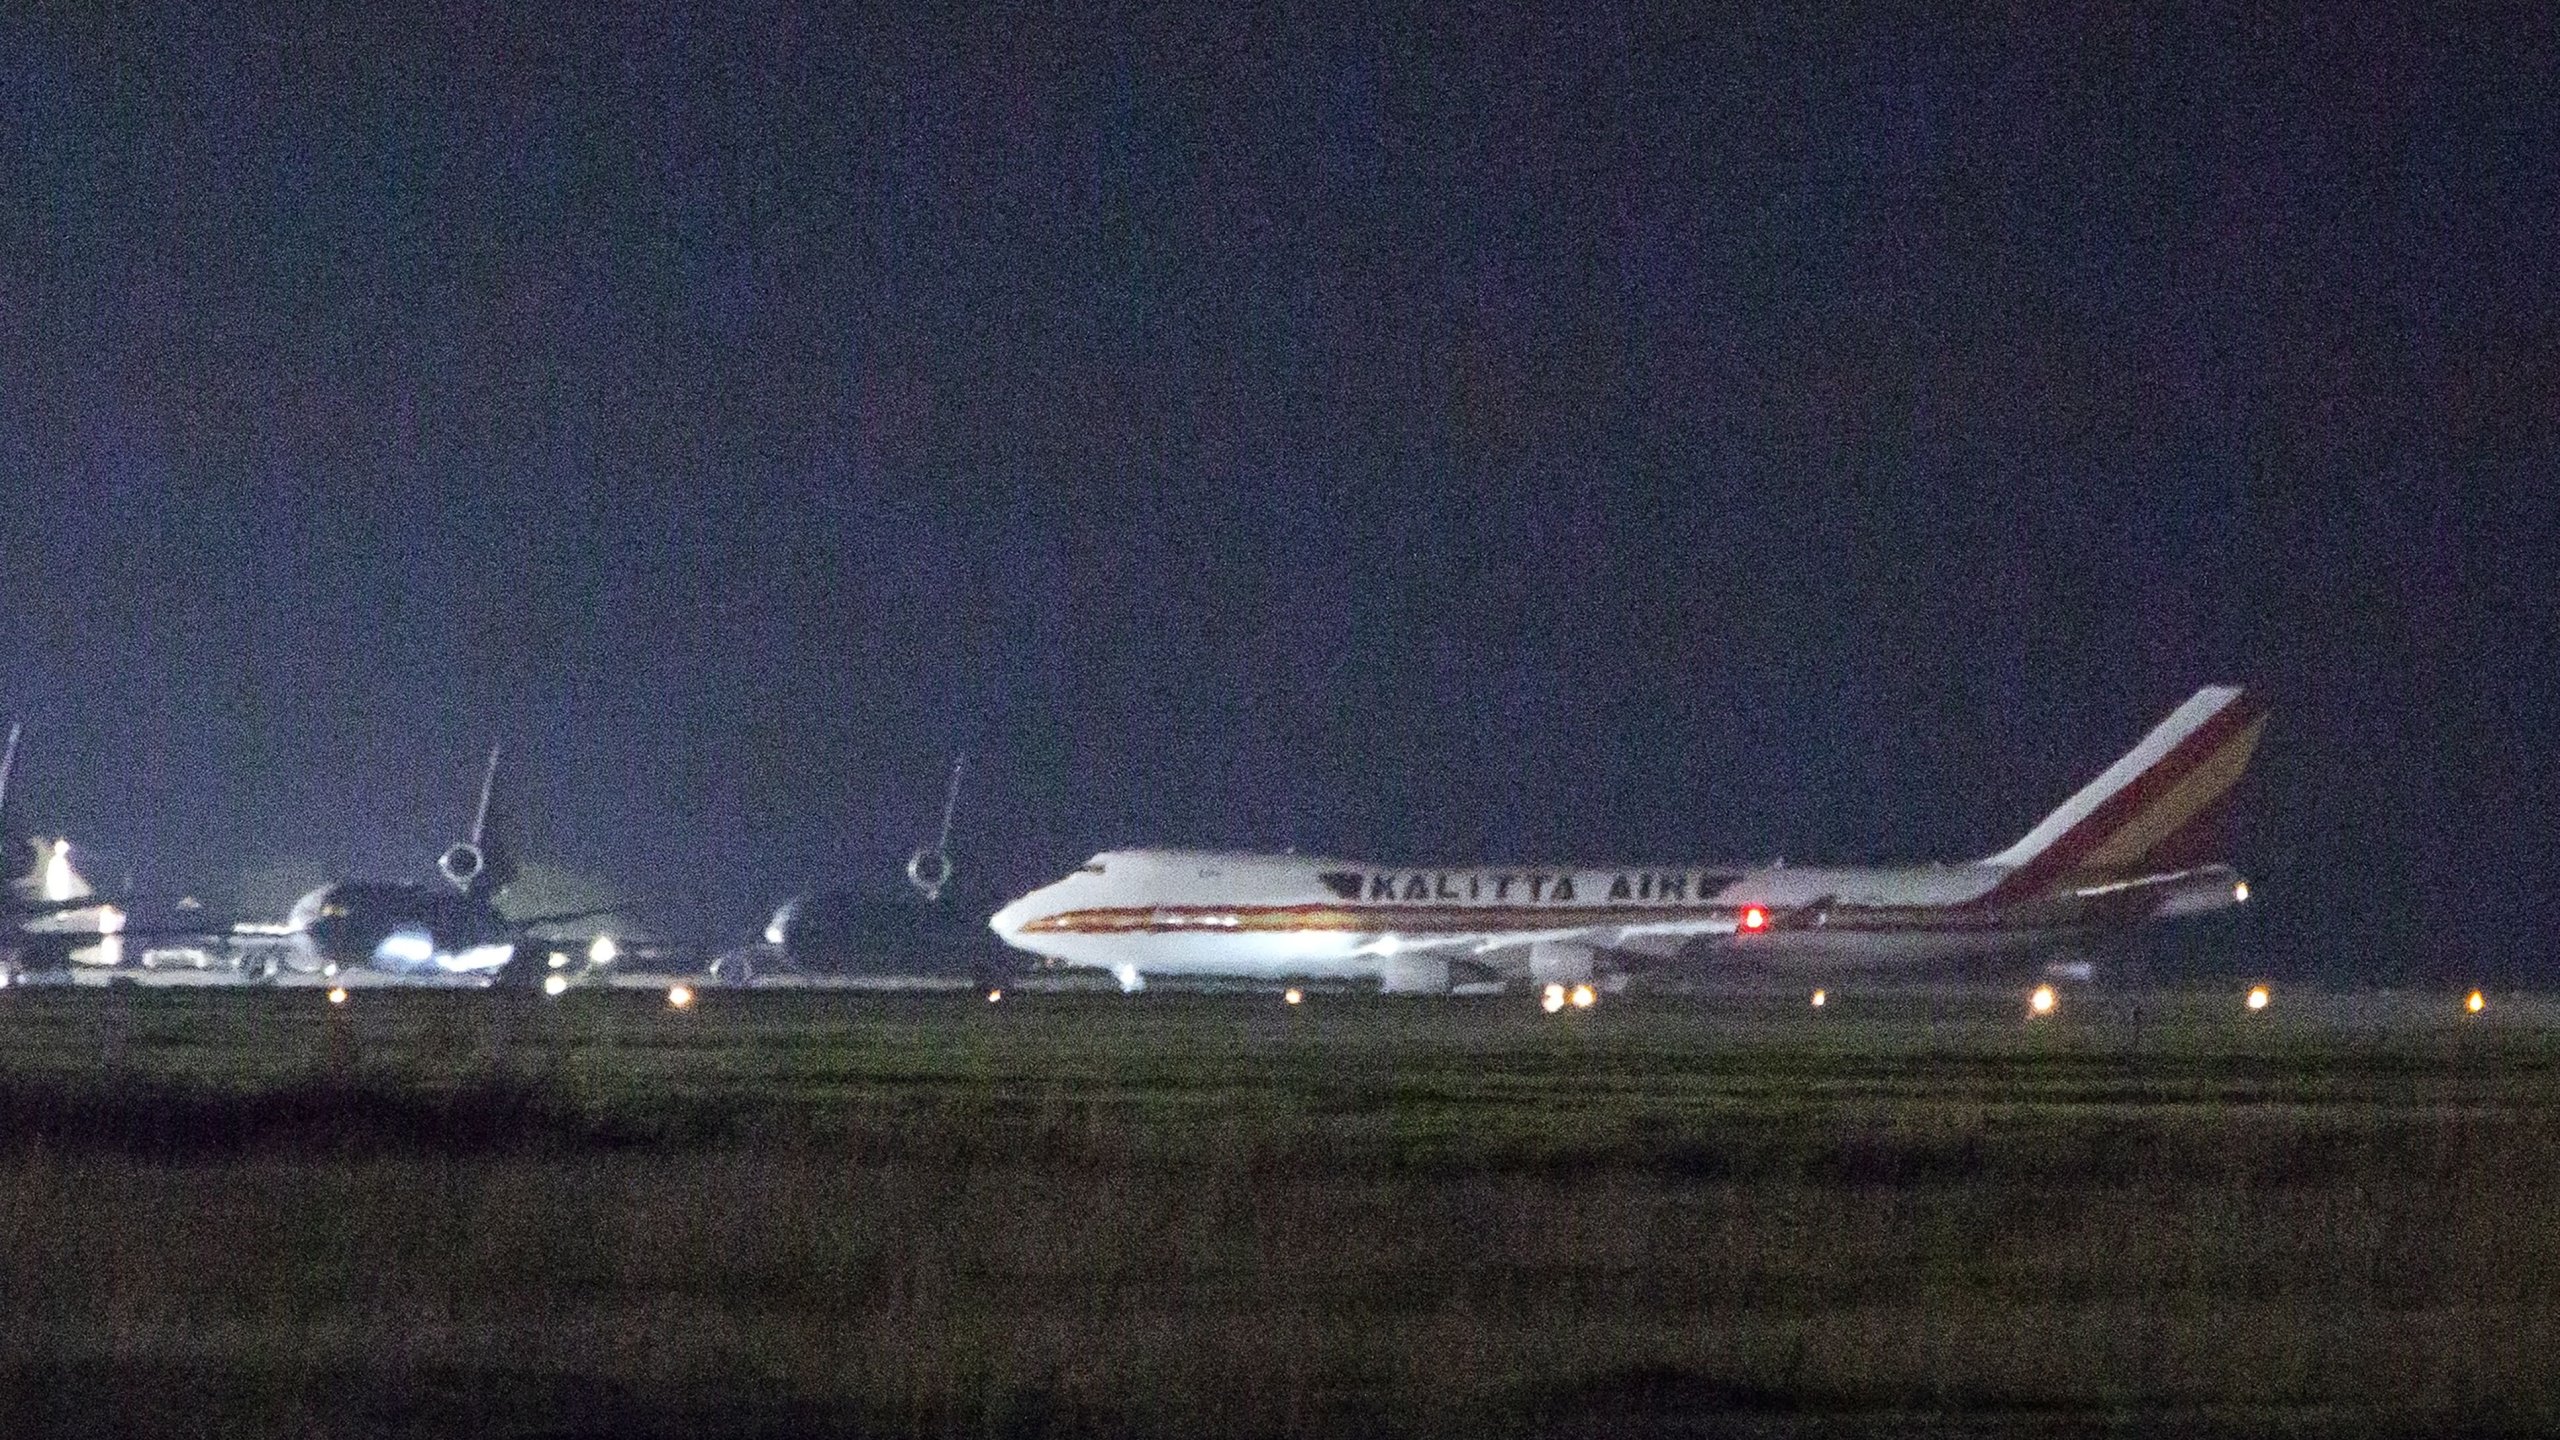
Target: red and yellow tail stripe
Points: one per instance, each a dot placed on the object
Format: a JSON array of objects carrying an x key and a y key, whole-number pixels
[{"x": 2169, "y": 815}]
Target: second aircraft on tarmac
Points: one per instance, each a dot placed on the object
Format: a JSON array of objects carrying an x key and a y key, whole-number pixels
[{"x": 2142, "y": 842}]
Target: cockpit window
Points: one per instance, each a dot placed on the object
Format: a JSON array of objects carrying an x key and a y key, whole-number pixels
[{"x": 1093, "y": 869}]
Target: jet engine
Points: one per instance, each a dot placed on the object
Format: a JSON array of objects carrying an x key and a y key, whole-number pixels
[{"x": 461, "y": 863}]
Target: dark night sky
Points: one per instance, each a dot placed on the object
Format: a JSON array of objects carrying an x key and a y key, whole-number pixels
[{"x": 1422, "y": 434}]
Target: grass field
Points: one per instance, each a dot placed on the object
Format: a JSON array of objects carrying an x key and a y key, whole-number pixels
[{"x": 431, "y": 1213}]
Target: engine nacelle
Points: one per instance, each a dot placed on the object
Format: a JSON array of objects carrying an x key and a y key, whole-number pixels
[
  {"x": 462, "y": 862},
  {"x": 742, "y": 965},
  {"x": 1414, "y": 975},
  {"x": 1552, "y": 962},
  {"x": 930, "y": 872}
]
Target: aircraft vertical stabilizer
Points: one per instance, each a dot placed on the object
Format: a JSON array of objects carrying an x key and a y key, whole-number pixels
[
  {"x": 483, "y": 864},
  {"x": 2161, "y": 806}
]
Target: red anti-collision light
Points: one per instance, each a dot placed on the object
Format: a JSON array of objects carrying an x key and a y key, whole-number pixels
[{"x": 1754, "y": 918}]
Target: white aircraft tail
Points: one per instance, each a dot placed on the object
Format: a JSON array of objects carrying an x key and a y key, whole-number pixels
[
  {"x": 483, "y": 864},
  {"x": 22, "y": 858},
  {"x": 2161, "y": 807},
  {"x": 8, "y": 763}
]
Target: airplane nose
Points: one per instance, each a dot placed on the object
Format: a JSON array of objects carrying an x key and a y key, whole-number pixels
[
  {"x": 1015, "y": 924},
  {"x": 1008, "y": 922}
]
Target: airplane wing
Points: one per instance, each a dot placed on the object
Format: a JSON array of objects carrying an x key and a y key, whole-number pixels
[
  {"x": 37, "y": 909},
  {"x": 2192, "y": 891},
  {"x": 563, "y": 917},
  {"x": 2163, "y": 880},
  {"x": 208, "y": 933},
  {"x": 1627, "y": 934}
]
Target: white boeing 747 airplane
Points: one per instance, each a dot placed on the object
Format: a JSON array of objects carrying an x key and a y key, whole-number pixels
[{"x": 2141, "y": 842}]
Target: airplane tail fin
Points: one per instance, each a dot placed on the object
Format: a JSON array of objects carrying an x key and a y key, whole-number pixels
[
  {"x": 8, "y": 763},
  {"x": 2163, "y": 806},
  {"x": 481, "y": 865},
  {"x": 22, "y": 857}
]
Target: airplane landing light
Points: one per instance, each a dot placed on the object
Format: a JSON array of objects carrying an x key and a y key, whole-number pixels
[
  {"x": 337, "y": 994},
  {"x": 602, "y": 950},
  {"x": 1293, "y": 996},
  {"x": 2240, "y": 892},
  {"x": 2043, "y": 1001},
  {"x": 996, "y": 995},
  {"x": 1821, "y": 998},
  {"x": 555, "y": 986},
  {"x": 679, "y": 997},
  {"x": 1584, "y": 997},
  {"x": 1552, "y": 1000},
  {"x": 2260, "y": 997},
  {"x": 2475, "y": 1002}
]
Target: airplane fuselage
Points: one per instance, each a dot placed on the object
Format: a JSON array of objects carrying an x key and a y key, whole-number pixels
[
  {"x": 399, "y": 927},
  {"x": 859, "y": 935},
  {"x": 1175, "y": 912},
  {"x": 1261, "y": 917}
]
